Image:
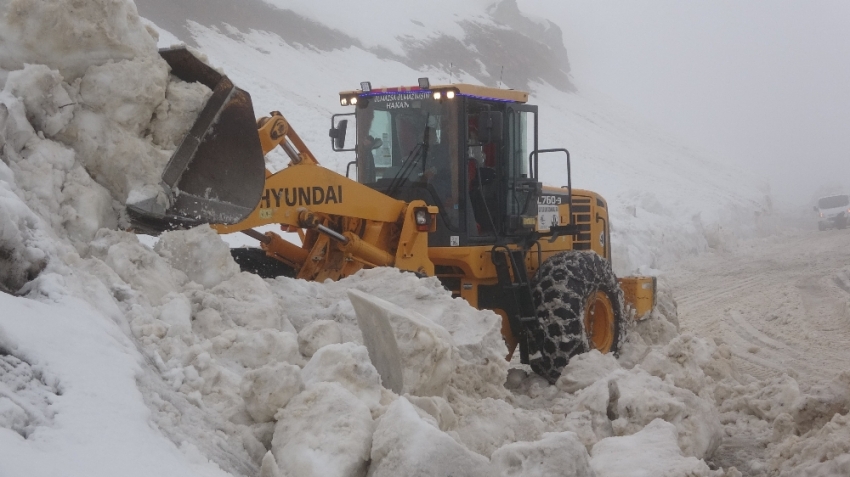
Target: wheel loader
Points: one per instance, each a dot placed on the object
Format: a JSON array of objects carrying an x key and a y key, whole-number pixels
[{"x": 445, "y": 183}]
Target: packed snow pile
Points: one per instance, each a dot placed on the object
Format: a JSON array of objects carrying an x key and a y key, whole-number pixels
[
  {"x": 117, "y": 358},
  {"x": 110, "y": 99}
]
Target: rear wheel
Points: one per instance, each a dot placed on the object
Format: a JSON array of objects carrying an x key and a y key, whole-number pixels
[{"x": 579, "y": 307}]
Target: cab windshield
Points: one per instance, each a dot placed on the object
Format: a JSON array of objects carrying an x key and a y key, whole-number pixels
[
  {"x": 407, "y": 147},
  {"x": 833, "y": 202}
]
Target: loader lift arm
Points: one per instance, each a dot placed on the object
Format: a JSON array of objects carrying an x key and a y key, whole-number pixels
[
  {"x": 346, "y": 225},
  {"x": 218, "y": 176}
]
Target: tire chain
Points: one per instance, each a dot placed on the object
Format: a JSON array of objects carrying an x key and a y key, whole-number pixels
[{"x": 560, "y": 291}]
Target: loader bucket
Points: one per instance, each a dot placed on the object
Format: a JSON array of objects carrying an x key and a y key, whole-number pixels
[{"x": 217, "y": 173}]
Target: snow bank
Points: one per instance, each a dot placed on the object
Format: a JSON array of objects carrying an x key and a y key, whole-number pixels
[
  {"x": 819, "y": 453},
  {"x": 24, "y": 237},
  {"x": 97, "y": 87},
  {"x": 810, "y": 430},
  {"x": 70, "y": 36}
]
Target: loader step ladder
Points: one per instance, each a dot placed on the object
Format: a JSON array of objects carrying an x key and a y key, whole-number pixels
[
  {"x": 580, "y": 209},
  {"x": 513, "y": 279}
]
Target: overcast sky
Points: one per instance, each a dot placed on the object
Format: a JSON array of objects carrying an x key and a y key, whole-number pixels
[{"x": 765, "y": 83}]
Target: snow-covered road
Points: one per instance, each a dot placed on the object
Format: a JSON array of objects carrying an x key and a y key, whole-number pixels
[{"x": 782, "y": 304}]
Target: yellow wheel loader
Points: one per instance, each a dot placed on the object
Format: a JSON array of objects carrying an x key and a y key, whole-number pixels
[{"x": 446, "y": 184}]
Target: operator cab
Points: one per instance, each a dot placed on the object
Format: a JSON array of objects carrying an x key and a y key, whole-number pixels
[{"x": 462, "y": 148}]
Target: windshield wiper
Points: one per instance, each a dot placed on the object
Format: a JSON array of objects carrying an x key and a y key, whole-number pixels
[
  {"x": 418, "y": 152},
  {"x": 406, "y": 167}
]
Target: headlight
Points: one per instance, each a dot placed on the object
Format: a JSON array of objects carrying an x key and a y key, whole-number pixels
[
  {"x": 450, "y": 94},
  {"x": 422, "y": 218},
  {"x": 343, "y": 101},
  {"x": 437, "y": 95},
  {"x": 354, "y": 100}
]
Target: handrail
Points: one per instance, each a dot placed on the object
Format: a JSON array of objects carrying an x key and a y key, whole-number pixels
[{"x": 533, "y": 165}]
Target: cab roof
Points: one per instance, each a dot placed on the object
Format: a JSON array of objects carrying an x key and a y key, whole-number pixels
[{"x": 476, "y": 91}]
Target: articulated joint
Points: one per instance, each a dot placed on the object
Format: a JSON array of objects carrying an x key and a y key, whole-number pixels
[{"x": 306, "y": 219}]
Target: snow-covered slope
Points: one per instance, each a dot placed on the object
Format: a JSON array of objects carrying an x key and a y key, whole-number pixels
[{"x": 121, "y": 358}]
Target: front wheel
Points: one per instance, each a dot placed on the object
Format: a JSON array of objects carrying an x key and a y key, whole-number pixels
[{"x": 579, "y": 307}]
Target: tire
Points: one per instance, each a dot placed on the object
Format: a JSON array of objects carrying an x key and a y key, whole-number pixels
[{"x": 579, "y": 307}]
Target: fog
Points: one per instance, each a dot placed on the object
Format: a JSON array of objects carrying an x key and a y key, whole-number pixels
[{"x": 763, "y": 84}]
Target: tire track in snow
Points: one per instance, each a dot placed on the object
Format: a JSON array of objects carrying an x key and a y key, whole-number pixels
[
  {"x": 765, "y": 356},
  {"x": 780, "y": 304},
  {"x": 724, "y": 290}
]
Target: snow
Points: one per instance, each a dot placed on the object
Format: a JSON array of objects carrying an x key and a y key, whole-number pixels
[
  {"x": 650, "y": 452},
  {"x": 407, "y": 441},
  {"x": 269, "y": 388},
  {"x": 323, "y": 431},
  {"x": 424, "y": 348},
  {"x": 347, "y": 364},
  {"x": 557, "y": 454},
  {"x": 120, "y": 356},
  {"x": 84, "y": 399}
]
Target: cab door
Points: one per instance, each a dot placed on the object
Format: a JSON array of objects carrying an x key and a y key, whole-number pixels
[{"x": 522, "y": 189}]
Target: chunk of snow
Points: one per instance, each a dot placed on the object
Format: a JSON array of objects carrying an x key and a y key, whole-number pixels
[
  {"x": 199, "y": 253},
  {"x": 651, "y": 452},
  {"x": 323, "y": 432},
  {"x": 643, "y": 398},
  {"x": 585, "y": 369},
  {"x": 254, "y": 349},
  {"x": 346, "y": 364},
  {"x": 406, "y": 444},
  {"x": 425, "y": 348},
  {"x": 556, "y": 455},
  {"x": 269, "y": 388},
  {"x": 317, "y": 334}
]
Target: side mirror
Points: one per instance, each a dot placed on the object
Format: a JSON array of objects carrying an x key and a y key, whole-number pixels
[
  {"x": 490, "y": 126},
  {"x": 338, "y": 134}
]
